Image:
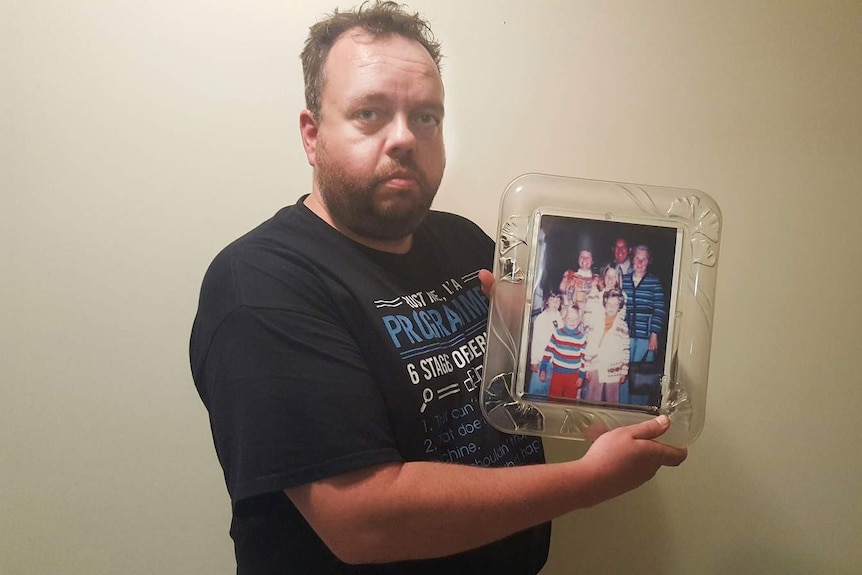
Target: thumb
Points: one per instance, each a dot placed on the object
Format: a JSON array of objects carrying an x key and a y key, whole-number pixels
[
  {"x": 487, "y": 280},
  {"x": 651, "y": 428}
]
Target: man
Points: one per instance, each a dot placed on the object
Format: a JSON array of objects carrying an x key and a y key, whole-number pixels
[
  {"x": 621, "y": 259},
  {"x": 645, "y": 315},
  {"x": 338, "y": 348},
  {"x": 576, "y": 285}
]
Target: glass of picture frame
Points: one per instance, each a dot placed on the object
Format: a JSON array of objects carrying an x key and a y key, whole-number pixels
[{"x": 601, "y": 314}]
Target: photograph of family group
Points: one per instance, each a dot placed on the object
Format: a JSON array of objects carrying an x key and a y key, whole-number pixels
[{"x": 598, "y": 330}]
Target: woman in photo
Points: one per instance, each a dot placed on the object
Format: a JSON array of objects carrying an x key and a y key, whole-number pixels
[
  {"x": 647, "y": 317},
  {"x": 606, "y": 357}
]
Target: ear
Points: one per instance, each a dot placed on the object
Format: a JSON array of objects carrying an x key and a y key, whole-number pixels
[{"x": 308, "y": 133}]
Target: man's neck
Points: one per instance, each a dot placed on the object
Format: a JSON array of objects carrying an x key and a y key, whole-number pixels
[{"x": 399, "y": 246}]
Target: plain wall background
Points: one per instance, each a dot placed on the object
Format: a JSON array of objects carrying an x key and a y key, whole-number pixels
[{"x": 139, "y": 138}]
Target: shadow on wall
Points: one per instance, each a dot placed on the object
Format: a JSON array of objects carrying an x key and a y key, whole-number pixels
[
  {"x": 594, "y": 541},
  {"x": 728, "y": 527},
  {"x": 762, "y": 560}
]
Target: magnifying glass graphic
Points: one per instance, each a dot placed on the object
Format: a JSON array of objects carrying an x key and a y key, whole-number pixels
[{"x": 427, "y": 395}]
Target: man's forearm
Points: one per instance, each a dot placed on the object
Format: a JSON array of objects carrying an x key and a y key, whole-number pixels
[
  {"x": 424, "y": 509},
  {"x": 418, "y": 510}
]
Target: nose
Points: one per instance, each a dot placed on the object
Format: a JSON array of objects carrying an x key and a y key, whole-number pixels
[{"x": 400, "y": 141}]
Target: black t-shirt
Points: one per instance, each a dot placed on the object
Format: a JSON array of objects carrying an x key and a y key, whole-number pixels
[{"x": 316, "y": 356}]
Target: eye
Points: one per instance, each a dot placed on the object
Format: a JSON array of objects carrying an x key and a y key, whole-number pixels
[
  {"x": 367, "y": 115},
  {"x": 427, "y": 120}
]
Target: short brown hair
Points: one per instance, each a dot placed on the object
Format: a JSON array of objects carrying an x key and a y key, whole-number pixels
[{"x": 380, "y": 19}]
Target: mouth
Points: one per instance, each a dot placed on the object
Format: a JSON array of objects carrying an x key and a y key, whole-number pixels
[{"x": 401, "y": 180}]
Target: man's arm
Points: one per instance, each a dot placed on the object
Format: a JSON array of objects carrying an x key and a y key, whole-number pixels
[{"x": 419, "y": 510}]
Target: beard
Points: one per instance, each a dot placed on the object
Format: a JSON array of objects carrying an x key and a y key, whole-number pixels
[{"x": 353, "y": 202}]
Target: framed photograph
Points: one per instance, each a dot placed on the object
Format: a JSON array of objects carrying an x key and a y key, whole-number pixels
[{"x": 602, "y": 309}]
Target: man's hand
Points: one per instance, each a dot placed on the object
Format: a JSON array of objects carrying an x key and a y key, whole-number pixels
[
  {"x": 653, "y": 342},
  {"x": 627, "y": 457}
]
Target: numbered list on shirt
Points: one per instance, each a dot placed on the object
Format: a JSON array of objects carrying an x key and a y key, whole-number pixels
[{"x": 440, "y": 335}]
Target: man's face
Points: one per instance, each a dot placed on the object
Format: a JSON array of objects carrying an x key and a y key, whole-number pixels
[
  {"x": 621, "y": 251},
  {"x": 379, "y": 154},
  {"x": 585, "y": 260},
  {"x": 640, "y": 261}
]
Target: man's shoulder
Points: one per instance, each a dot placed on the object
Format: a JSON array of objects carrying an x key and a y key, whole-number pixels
[
  {"x": 273, "y": 267},
  {"x": 292, "y": 233},
  {"x": 454, "y": 234},
  {"x": 273, "y": 253},
  {"x": 282, "y": 229}
]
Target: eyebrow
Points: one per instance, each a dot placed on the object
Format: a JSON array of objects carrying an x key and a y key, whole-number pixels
[
  {"x": 381, "y": 98},
  {"x": 367, "y": 97}
]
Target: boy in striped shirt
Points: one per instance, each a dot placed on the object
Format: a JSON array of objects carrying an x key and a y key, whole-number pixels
[{"x": 565, "y": 352}]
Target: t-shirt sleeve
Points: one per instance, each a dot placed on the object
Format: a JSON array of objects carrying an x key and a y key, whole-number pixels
[{"x": 291, "y": 398}]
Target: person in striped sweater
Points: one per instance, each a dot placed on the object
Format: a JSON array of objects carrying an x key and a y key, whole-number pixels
[
  {"x": 565, "y": 352},
  {"x": 645, "y": 315}
]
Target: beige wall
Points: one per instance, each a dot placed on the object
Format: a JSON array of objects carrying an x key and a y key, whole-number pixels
[{"x": 138, "y": 138}]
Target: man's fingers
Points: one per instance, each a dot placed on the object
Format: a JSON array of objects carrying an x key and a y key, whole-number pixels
[
  {"x": 654, "y": 428},
  {"x": 651, "y": 428},
  {"x": 487, "y": 279},
  {"x": 673, "y": 456}
]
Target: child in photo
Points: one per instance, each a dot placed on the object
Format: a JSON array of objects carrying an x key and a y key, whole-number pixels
[
  {"x": 544, "y": 326},
  {"x": 606, "y": 357},
  {"x": 564, "y": 354},
  {"x": 594, "y": 309}
]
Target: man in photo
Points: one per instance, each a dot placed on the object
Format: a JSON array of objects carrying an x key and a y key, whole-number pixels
[{"x": 621, "y": 259}]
